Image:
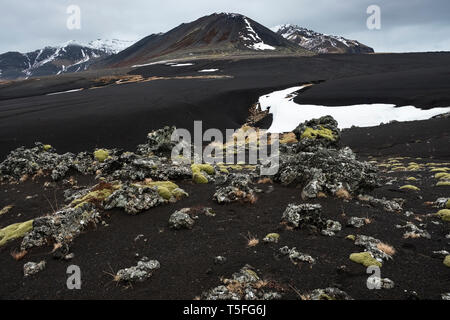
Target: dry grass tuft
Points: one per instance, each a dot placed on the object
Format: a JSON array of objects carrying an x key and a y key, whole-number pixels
[
  {"x": 343, "y": 194},
  {"x": 19, "y": 255},
  {"x": 265, "y": 181},
  {"x": 386, "y": 248},
  {"x": 252, "y": 241}
]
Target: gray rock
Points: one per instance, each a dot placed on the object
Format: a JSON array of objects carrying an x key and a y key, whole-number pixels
[
  {"x": 331, "y": 228},
  {"x": 134, "y": 199},
  {"x": 394, "y": 205},
  {"x": 296, "y": 256},
  {"x": 220, "y": 260},
  {"x": 244, "y": 285},
  {"x": 61, "y": 227},
  {"x": 304, "y": 214},
  {"x": 31, "y": 268},
  {"x": 356, "y": 222},
  {"x": 181, "y": 219},
  {"x": 141, "y": 272},
  {"x": 382, "y": 283},
  {"x": 235, "y": 187},
  {"x": 328, "y": 294}
]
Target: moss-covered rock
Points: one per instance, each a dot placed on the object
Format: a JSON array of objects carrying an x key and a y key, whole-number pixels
[
  {"x": 6, "y": 209},
  {"x": 444, "y": 214},
  {"x": 409, "y": 187},
  {"x": 322, "y": 132},
  {"x": 351, "y": 237},
  {"x": 272, "y": 237},
  {"x": 14, "y": 231},
  {"x": 167, "y": 189},
  {"x": 197, "y": 172},
  {"x": 101, "y": 155},
  {"x": 444, "y": 169},
  {"x": 365, "y": 258},
  {"x": 447, "y": 261},
  {"x": 443, "y": 184},
  {"x": 47, "y": 147},
  {"x": 97, "y": 195},
  {"x": 442, "y": 176},
  {"x": 411, "y": 179}
]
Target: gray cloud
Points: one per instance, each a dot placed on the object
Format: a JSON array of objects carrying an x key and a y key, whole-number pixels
[{"x": 407, "y": 25}]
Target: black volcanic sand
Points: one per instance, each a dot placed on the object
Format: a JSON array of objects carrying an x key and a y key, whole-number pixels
[
  {"x": 121, "y": 115},
  {"x": 186, "y": 257}
]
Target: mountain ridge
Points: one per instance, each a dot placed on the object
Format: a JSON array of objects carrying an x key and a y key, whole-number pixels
[{"x": 319, "y": 42}]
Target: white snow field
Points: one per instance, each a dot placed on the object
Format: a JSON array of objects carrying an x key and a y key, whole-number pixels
[{"x": 287, "y": 114}]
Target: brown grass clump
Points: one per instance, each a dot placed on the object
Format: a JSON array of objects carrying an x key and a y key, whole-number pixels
[
  {"x": 252, "y": 241},
  {"x": 288, "y": 138},
  {"x": 19, "y": 255},
  {"x": 386, "y": 248},
  {"x": 265, "y": 181},
  {"x": 343, "y": 194}
]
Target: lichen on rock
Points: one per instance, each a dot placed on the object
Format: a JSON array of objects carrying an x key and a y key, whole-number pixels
[
  {"x": 327, "y": 294},
  {"x": 243, "y": 285},
  {"x": 139, "y": 273},
  {"x": 235, "y": 187},
  {"x": 181, "y": 219}
]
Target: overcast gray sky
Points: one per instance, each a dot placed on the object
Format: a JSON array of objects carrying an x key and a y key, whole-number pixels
[{"x": 406, "y": 25}]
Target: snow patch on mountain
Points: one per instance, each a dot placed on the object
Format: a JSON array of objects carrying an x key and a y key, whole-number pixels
[{"x": 252, "y": 38}]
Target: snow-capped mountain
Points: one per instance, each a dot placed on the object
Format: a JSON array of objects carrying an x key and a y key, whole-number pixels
[
  {"x": 319, "y": 42},
  {"x": 71, "y": 56},
  {"x": 216, "y": 34},
  {"x": 109, "y": 46}
]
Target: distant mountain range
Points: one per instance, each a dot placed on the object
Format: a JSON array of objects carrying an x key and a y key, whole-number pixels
[
  {"x": 318, "y": 42},
  {"x": 68, "y": 57},
  {"x": 218, "y": 34}
]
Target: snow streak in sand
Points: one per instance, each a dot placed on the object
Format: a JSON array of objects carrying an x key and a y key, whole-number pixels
[{"x": 287, "y": 114}]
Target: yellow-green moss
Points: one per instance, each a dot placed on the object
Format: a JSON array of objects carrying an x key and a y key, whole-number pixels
[
  {"x": 399, "y": 168},
  {"x": 197, "y": 175},
  {"x": 167, "y": 189},
  {"x": 447, "y": 261},
  {"x": 311, "y": 133},
  {"x": 47, "y": 147},
  {"x": 199, "y": 178},
  {"x": 351, "y": 237},
  {"x": 272, "y": 237},
  {"x": 97, "y": 195},
  {"x": 413, "y": 167},
  {"x": 447, "y": 205},
  {"x": 410, "y": 187},
  {"x": 6, "y": 209},
  {"x": 443, "y": 184},
  {"x": 365, "y": 258},
  {"x": 444, "y": 214},
  {"x": 14, "y": 231},
  {"x": 440, "y": 169},
  {"x": 101, "y": 155},
  {"x": 411, "y": 179},
  {"x": 442, "y": 176}
]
